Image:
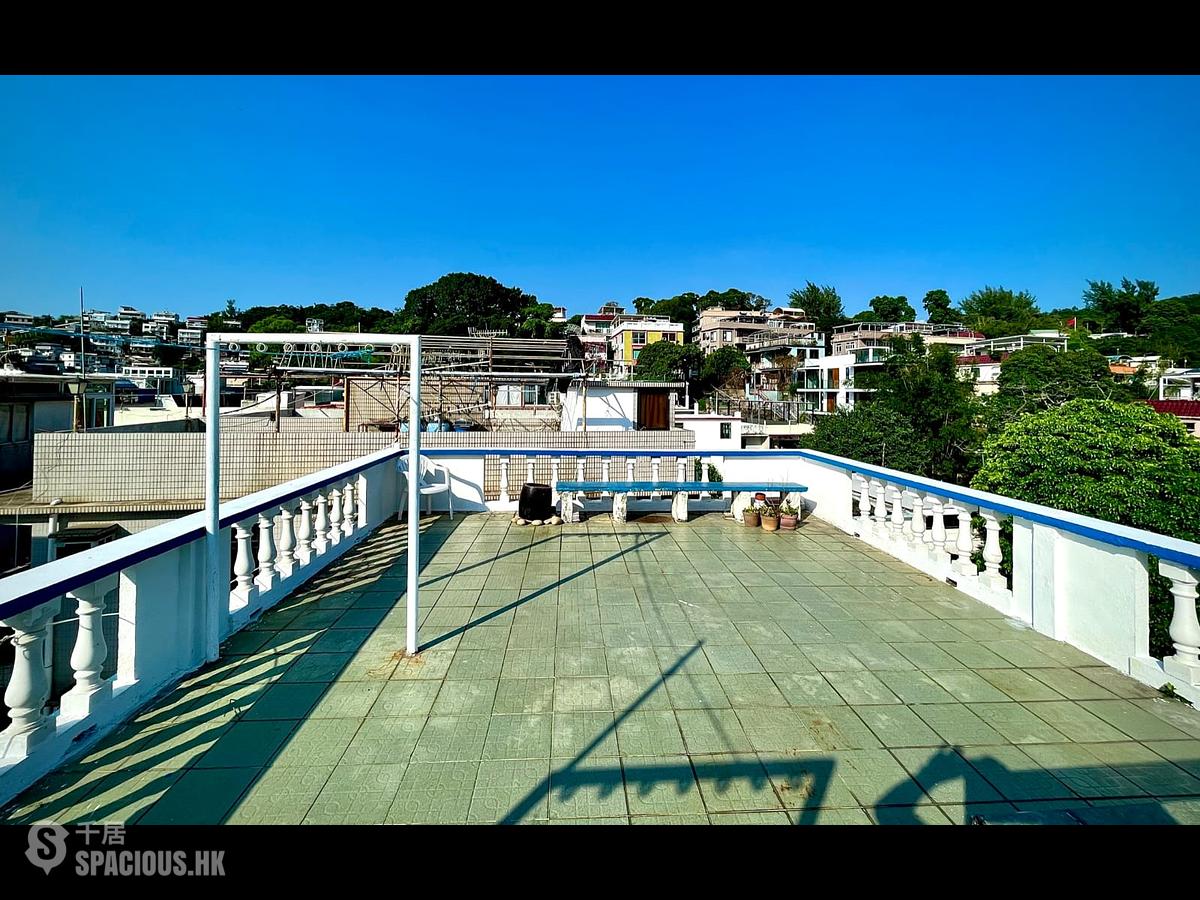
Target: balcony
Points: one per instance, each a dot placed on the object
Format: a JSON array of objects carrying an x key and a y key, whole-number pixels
[{"x": 863, "y": 669}]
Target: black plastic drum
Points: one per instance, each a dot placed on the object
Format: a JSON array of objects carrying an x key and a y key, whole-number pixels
[{"x": 535, "y": 502}]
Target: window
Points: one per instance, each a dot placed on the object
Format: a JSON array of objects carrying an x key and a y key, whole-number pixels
[
  {"x": 726, "y": 431},
  {"x": 533, "y": 394},
  {"x": 5, "y": 424},
  {"x": 508, "y": 395},
  {"x": 670, "y": 337},
  {"x": 639, "y": 338}
]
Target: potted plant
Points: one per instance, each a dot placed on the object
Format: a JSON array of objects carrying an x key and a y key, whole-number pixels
[
  {"x": 770, "y": 517},
  {"x": 789, "y": 517},
  {"x": 750, "y": 516}
]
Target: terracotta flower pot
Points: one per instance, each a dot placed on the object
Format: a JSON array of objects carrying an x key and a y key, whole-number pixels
[
  {"x": 750, "y": 519},
  {"x": 788, "y": 523},
  {"x": 770, "y": 523}
]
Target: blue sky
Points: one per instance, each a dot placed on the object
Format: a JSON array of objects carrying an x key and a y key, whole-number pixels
[{"x": 179, "y": 193}]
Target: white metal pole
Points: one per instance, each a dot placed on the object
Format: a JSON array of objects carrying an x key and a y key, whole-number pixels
[
  {"x": 215, "y": 585},
  {"x": 414, "y": 484}
]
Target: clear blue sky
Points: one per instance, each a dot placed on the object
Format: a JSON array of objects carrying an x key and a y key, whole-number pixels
[{"x": 181, "y": 192}]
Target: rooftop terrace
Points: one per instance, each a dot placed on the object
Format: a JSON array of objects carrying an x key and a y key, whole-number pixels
[{"x": 637, "y": 673}]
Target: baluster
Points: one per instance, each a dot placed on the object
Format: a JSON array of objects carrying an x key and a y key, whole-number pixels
[
  {"x": 864, "y": 503},
  {"x": 504, "y": 480},
  {"x": 1184, "y": 628},
  {"x": 880, "y": 507},
  {"x": 320, "y": 539},
  {"x": 554, "y": 481},
  {"x": 992, "y": 555},
  {"x": 654, "y": 469},
  {"x": 360, "y": 500},
  {"x": 896, "y": 525},
  {"x": 335, "y": 517},
  {"x": 629, "y": 469},
  {"x": 349, "y": 511},
  {"x": 916, "y": 525},
  {"x": 90, "y": 651},
  {"x": 29, "y": 685},
  {"x": 285, "y": 562},
  {"x": 604, "y": 469},
  {"x": 529, "y": 470},
  {"x": 964, "y": 543},
  {"x": 243, "y": 563},
  {"x": 304, "y": 533},
  {"x": 266, "y": 552},
  {"x": 680, "y": 468},
  {"x": 704, "y": 477},
  {"x": 937, "y": 536}
]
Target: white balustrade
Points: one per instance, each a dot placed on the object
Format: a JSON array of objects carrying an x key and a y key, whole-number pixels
[
  {"x": 1184, "y": 628},
  {"x": 90, "y": 651},
  {"x": 654, "y": 469},
  {"x": 320, "y": 540},
  {"x": 334, "y": 537},
  {"x": 964, "y": 544},
  {"x": 285, "y": 560},
  {"x": 604, "y": 469},
  {"x": 554, "y": 481},
  {"x": 304, "y": 533},
  {"x": 880, "y": 507},
  {"x": 896, "y": 524},
  {"x": 937, "y": 533},
  {"x": 244, "y": 589},
  {"x": 529, "y": 471},
  {"x": 916, "y": 525},
  {"x": 992, "y": 555},
  {"x": 29, "y": 685},
  {"x": 265, "y": 577},
  {"x": 349, "y": 510},
  {"x": 504, "y": 497}
]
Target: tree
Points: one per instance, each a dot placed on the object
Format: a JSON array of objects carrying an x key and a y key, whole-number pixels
[
  {"x": 275, "y": 325},
  {"x": 723, "y": 367},
  {"x": 998, "y": 312},
  {"x": 822, "y": 305},
  {"x": 231, "y": 310},
  {"x": 1040, "y": 377},
  {"x": 872, "y": 433},
  {"x": 923, "y": 385},
  {"x": 938, "y": 310},
  {"x": 667, "y": 361},
  {"x": 642, "y": 305},
  {"x": 459, "y": 301},
  {"x": 534, "y": 321},
  {"x": 1124, "y": 308},
  {"x": 887, "y": 309},
  {"x": 1121, "y": 462}
]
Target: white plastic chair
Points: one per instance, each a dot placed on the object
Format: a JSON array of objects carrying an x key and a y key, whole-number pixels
[{"x": 429, "y": 485}]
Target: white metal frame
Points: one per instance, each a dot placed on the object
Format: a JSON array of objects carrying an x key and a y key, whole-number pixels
[{"x": 216, "y": 580}]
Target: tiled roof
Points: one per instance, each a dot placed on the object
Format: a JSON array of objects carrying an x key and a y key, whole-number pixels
[{"x": 1185, "y": 409}]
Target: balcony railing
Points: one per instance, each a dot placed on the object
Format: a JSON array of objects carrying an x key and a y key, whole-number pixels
[{"x": 1073, "y": 578}]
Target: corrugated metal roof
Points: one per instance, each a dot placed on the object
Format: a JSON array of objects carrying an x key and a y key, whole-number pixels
[{"x": 1185, "y": 409}]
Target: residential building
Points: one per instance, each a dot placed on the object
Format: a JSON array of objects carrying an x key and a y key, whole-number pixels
[
  {"x": 15, "y": 318},
  {"x": 1002, "y": 346},
  {"x": 1179, "y": 384},
  {"x": 1187, "y": 411},
  {"x": 629, "y": 335},
  {"x": 622, "y": 405},
  {"x": 193, "y": 337},
  {"x": 718, "y": 327},
  {"x": 778, "y": 356},
  {"x": 870, "y": 342}
]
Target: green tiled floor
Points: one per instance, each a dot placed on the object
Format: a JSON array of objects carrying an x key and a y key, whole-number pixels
[{"x": 644, "y": 673}]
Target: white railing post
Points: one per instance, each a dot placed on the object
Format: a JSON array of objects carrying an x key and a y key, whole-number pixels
[
  {"x": 704, "y": 495},
  {"x": 265, "y": 579},
  {"x": 285, "y": 561},
  {"x": 554, "y": 481},
  {"x": 864, "y": 504},
  {"x": 1184, "y": 628},
  {"x": 90, "y": 651},
  {"x": 629, "y": 469},
  {"x": 680, "y": 465},
  {"x": 504, "y": 479},
  {"x": 29, "y": 685},
  {"x": 896, "y": 525},
  {"x": 880, "y": 508},
  {"x": 964, "y": 544},
  {"x": 654, "y": 469},
  {"x": 350, "y": 511},
  {"x": 604, "y": 469},
  {"x": 320, "y": 540},
  {"x": 304, "y": 533},
  {"x": 243, "y": 564},
  {"x": 916, "y": 525},
  {"x": 992, "y": 555},
  {"x": 360, "y": 500},
  {"x": 335, "y": 517},
  {"x": 937, "y": 534},
  {"x": 529, "y": 470}
]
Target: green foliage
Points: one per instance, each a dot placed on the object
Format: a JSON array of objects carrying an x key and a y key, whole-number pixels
[
  {"x": 938, "y": 310},
  {"x": 1124, "y": 308},
  {"x": 925, "y": 388},
  {"x": 822, "y": 305},
  {"x": 685, "y": 308},
  {"x": 231, "y": 310},
  {"x": 721, "y": 366},
  {"x": 459, "y": 301},
  {"x": 999, "y": 312},
  {"x": 275, "y": 325},
  {"x": 872, "y": 433},
  {"x": 888, "y": 309},
  {"x": 1174, "y": 328},
  {"x": 1039, "y": 378},
  {"x": 668, "y": 361},
  {"x": 1121, "y": 462}
]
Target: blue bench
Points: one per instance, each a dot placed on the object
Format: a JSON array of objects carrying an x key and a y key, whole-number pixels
[{"x": 743, "y": 493}]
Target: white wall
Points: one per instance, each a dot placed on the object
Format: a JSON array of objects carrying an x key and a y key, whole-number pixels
[
  {"x": 707, "y": 429},
  {"x": 609, "y": 408}
]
